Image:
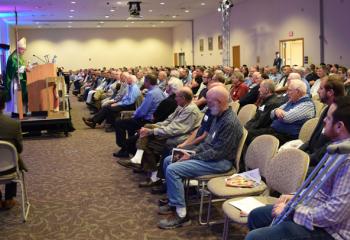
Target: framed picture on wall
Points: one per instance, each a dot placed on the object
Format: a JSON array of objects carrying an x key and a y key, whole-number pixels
[
  {"x": 210, "y": 43},
  {"x": 220, "y": 46},
  {"x": 201, "y": 45}
]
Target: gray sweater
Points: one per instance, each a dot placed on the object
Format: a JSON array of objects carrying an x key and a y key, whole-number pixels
[{"x": 222, "y": 140}]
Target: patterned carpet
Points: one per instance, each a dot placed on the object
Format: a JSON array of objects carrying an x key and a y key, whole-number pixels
[{"x": 78, "y": 191}]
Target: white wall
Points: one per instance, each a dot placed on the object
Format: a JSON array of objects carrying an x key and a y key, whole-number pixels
[
  {"x": 83, "y": 48},
  {"x": 258, "y": 26},
  {"x": 206, "y": 26},
  {"x": 182, "y": 41}
]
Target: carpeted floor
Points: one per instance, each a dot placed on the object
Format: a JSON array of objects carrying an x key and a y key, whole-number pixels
[{"x": 78, "y": 191}]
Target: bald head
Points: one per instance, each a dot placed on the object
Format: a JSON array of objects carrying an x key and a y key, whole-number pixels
[{"x": 217, "y": 100}]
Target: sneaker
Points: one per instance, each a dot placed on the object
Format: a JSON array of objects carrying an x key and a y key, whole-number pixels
[
  {"x": 166, "y": 210},
  {"x": 174, "y": 222}
]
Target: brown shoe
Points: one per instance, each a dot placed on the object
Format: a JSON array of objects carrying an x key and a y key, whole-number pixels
[
  {"x": 8, "y": 204},
  {"x": 89, "y": 123}
]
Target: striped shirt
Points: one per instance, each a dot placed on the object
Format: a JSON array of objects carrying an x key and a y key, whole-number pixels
[{"x": 330, "y": 207}]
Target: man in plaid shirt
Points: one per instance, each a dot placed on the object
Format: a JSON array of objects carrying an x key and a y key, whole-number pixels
[{"x": 327, "y": 216}]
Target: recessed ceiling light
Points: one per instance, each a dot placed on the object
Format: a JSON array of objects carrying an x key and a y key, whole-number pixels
[
  {"x": 72, "y": 10},
  {"x": 39, "y": 26},
  {"x": 70, "y": 22},
  {"x": 112, "y": 10},
  {"x": 119, "y": 3},
  {"x": 106, "y": 16},
  {"x": 174, "y": 16},
  {"x": 69, "y": 26},
  {"x": 153, "y": 25},
  {"x": 132, "y": 22},
  {"x": 73, "y": 2},
  {"x": 162, "y": 3},
  {"x": 37, "y": 23},
  {"x": 71, "y": 16},
  {"x": 98, "y": 26},
  {"x": 102, "y": 22},
  {"x": 203, "y": 3},
  {"x": 150, "y": 10},
  {"x": 162, "y": 22},
  {"x": 187, "y": 11}
]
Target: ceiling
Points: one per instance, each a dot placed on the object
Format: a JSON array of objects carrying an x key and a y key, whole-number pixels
[{"x": 102, "y": 13}]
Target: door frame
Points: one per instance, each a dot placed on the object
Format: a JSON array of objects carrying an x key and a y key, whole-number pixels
[{"x": 290, "y": 40}]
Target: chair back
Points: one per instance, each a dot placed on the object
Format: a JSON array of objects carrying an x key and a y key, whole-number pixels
[
  {"x": 235, "y": 106},
  {"x": 8, "y": 157},
  {"x": 246, "y": 113},
  {"x": 287, "y": 170},
  {"x": 138, "y": 101},
  {"x": 319, "y": 106},
  {"x": 240, "y": 148},
  {"x": 260, "y": 151},
  {"x": 307, "y": 129}
]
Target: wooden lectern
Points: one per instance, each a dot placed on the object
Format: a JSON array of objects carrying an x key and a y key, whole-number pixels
[{"x": 40, "y": 95}]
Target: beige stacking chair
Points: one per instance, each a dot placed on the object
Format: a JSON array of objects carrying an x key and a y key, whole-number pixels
[
  {"x": 246, "y": 113},
  {"x": 319, "y": 106},
  {"x": 285, "y": 174},
  {"x": 261, "y": 150},
  {"x": 307, "y": 129},
  {"x": 8, "y": 161},
  {"x": 235, "y": 106}
]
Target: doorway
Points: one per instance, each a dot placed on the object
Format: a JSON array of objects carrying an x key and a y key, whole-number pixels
[
  {"x": 236, "y": 56},
  {"x": 292, "y": 51},
  {"x": 179, "y": 59}
]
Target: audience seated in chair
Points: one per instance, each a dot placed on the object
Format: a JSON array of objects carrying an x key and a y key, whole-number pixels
[
  {"x": 327, "y": 214},
  {"x": 154, "y": 138},
  {"x": 213, "y": 155},
  {"x": 10, "y": 130},
  {"x": 288, "y": 118},
  {"x": 112, "y": 111},
  {"x": 328, "y": 91},
  {"x": 142, "y": 115}
]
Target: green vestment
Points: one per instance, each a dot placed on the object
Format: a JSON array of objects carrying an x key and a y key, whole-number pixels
[{"x": 11, "y": 75}]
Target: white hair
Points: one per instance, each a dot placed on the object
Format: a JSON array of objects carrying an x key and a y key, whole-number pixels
[
  {"x": 175, "y": 84},
  {"x": 174, "y": 73},
  {"x": 298, "y": 84}
]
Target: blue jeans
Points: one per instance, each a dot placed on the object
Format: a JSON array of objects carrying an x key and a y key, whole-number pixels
[
  {"x": 176, "y": 172},
  {"x": 259, "y": 221}
]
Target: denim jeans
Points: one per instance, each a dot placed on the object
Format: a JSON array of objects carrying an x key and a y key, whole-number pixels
[
  {"x": 176, "y": 172},
  {"x": 259, "y": 221}
]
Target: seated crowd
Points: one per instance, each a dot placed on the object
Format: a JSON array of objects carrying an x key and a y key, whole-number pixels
[{"x": 190, "y": 108}]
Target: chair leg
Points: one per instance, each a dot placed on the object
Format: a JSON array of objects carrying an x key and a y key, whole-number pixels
[
  {"x": 225, "y": 230},
  {"x": 209, "y": 208},
  {"x": 201, "y": 203},
  {"x": 24, "y": 198}
]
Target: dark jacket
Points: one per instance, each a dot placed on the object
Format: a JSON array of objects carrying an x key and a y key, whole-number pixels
[
  {"x": 10, "y": 130},
  {"x": 262, "y": 117}
]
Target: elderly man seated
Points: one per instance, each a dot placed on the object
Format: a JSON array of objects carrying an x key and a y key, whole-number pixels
[
  {"x": 289, "y": 118},
  {"x": 215, "y": 154},
  {"x": 110, "y": 112},
  {"x": 169, "y": 133}
]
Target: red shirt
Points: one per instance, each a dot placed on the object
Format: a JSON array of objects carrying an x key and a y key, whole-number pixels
[{"x": 238, "y": 91}]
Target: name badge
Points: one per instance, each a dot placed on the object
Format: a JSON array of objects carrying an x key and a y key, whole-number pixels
[
  {"x": 214, "y": 134},
  {"x": 205, "y": 118}
]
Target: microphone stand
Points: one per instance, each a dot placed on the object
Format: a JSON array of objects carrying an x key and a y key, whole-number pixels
[{"x": 39, "y": 58}]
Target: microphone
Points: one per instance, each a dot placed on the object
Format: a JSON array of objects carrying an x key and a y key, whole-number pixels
[{"x": 39, "y": 58}]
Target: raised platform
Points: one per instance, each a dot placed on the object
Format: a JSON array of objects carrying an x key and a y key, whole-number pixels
[{"x": 55, "y": 122}]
